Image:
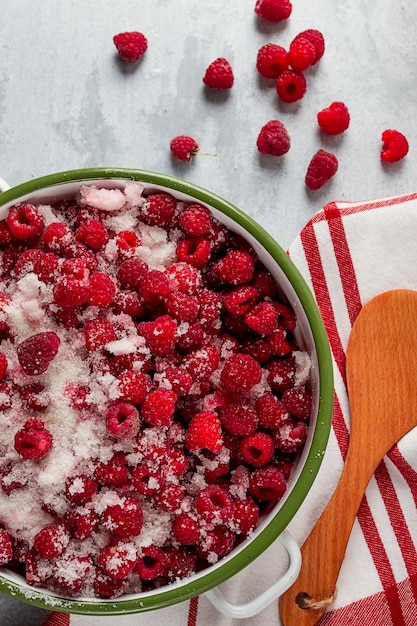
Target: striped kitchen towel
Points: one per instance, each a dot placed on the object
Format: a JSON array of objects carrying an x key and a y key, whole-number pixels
[{"x": 348, "y": 253}]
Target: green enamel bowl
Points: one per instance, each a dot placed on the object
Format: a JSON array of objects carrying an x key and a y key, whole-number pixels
[{"x": 310, "y": 335}]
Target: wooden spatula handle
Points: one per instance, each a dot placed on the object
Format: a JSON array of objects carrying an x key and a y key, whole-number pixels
[{"x": 323, "y": 551}]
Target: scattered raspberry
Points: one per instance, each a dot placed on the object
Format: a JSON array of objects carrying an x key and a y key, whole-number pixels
[
  {"x": 257, "y": 449},
  {"x": 271, "y": 60},
  {"x": 204, "y": 432},
  {"x": 158, "y": 407},
  {"x": 196, "y": 220},
  {"x": 33, "y": 441},
  {"x": 273, "y": 10},
  {"x": 160, "y": 209},
  {"x": 236, "y": 268},
  {"x": 118, "y": 560},
  {"x": 183, "y": 147},
  {"x": 6, "y": 547},
  {"x": 301, "y": 54},
  {"x": 25, "y": 222},
  {"x": 124, "y": 520},
  {"x": 52, "y": 541},
  {"x": 219, "y": 75},
  {"x": 93, "y": 234},
  {"x": 322, "y": 167},
  {"x": 186, "y": 529},
  {"x": 267, "y": 483},
  {"x": 334, "y": 119},
  {"x": 151, "y": 563},
  {"x": 214, "y": 504},
  {"x": 102, "y": 290},
  {"x": 316, "y": 38},
  {"x": 122, "y": 420},
  {"x": 395, "y": 146},
  {"x": 291, "y": 86},
  {"x": 240, "y": 373},
  {"x": 80, "y": 489},
  {"x": 239, "y": 418},
  {"x": 131, "y": 46},
  {"x": 273, "y": 139},
  {"x": 36, "y": 353},
  {"x": 98, "y": 333}
]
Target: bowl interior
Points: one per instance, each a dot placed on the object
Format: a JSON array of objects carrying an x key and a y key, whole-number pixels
[{"x": 310, "y": 335}]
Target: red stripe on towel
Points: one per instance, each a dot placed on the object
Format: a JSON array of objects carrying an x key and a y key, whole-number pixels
[
  {"x": 192, "y": 612},
  {"x": 57, "y": 619}
]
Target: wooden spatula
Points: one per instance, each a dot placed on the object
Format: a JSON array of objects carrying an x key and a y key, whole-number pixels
[{"x": 381, "y": 369}]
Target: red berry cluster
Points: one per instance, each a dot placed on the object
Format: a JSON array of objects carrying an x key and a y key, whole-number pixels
[{"x": 162, "y": 337}]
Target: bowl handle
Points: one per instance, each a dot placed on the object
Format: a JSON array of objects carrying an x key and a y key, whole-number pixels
[
  {"x": 277, "y": 589},
  {"x": 3, "y": 185}
]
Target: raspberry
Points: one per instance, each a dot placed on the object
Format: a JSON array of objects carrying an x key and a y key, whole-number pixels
[
  {"x": 158, "y": 407},
  {"x": 81, "y": 523},
  {"x": 78, "y": 250},
  {"x": 71, "y": 571},
  {"x": 290, "y": 436},
  {"x": 25, "y": 222},
  {"x": 169, "y": 498},
  {"x": 334, "y": 119},
  {"x": 46, "y": 266},
  {"x": 98, "y": 333},
  {"x": 181, "y": 307},
  {"x": 240, "y": 300},
  {"x": 181, "y": 562},
  {"x": 210, "y": 310},
  {"x": 204, "y": 433},
  {"x": 219, "y": 74},
  {"x": 257, "y": 348},
  {"x": 36, "y": 353},
  {"x": 322, "y": 167},
  {"x": 80, "y": 489},
  {"x": 267, "y": 483},
  {"x": 151, "y": 563},
  {"x": 214, "y": 504},
  {"x": 183, "y": 147},
  {"x": 133, "y": 386},
  {"x": 298, "y": 402},
  {"x": 124, "y": 520},
  {"x": 195, "y": 251},
  {"x": 102, "y": 290},
  {"x": 6, "y": 547},
  {"x": 257, "y": 449},
  {"x": 240, "y": 373},
  {"x": 160, "y": 335},
  {"x": 3, "y": 365},
  {"x": 245, "y": 516},
  {"x": 122, "y": 420},
  {"x": 271, "y": 60},
  {"x": 56, "y": 237},
  {"x": 279, "y": 342},
  {"x": 131, "y": 46},
  {"x": 6, "y": 237},
  {"x": 33, "y": 441},
  {"x": 395, "y": 146},
  {"x": 154, "y": 287},
  {"x": 291, "y": 86},
  {"x": 131, "y": 273},
  {"x": 281, "y": 373},
  {"x": 239, "y": 418},
  {"x": 129, "y": 302},
  {"x": 316, "y": 38},
  {"x": 37, "y": 569},
  {"x": 6, "y": 393},
  {"x": 52, "y": 540},
  {"x": 236, "y": 268},
  {"x": 92, "y": 234},
  {"x": 177, "y": 461},
  {"x": 217, "y": 543},
  {"x": 186, "y": 529},
  {"x": 114, "y": 473},
  {"x": 262, "y": 318},
  {"x": 195, "y": 220},
  {"x": 118, "y": 560},
  {"x": 271, "y": 411},
  {"x": 184, "y": 278},
  {"x": 160, "y": 209},
  {"x": 107, "y": 587},
  {"x": 192, "y": 338},
  {"x": 127, "y": 243},
  {"x": 201, "y": 364},
  {"x": 71, "y": 292},
  {"x": 273, "y": 10},
  {"x": 34, "y": 397},
  {"x": 146, "y": 480},
  {"x": 301, "y": 54},
  {"x": 273, "y": 139}
]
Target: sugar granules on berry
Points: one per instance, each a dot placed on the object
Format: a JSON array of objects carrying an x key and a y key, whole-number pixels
[{"x": 140, "y": 341}]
